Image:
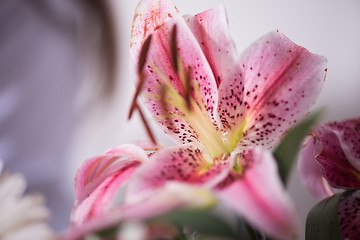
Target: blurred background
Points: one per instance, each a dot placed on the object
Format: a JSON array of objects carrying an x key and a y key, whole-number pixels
[{"x": 65, "y": 86}]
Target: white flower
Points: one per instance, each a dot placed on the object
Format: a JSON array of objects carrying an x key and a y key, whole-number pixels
[{"x": 21, "y": 217}]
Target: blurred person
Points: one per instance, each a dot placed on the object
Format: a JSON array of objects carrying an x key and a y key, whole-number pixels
[{"x": 43, "y": 49}]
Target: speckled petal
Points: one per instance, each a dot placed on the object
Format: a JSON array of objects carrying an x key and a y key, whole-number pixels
[
  {"x": 181, "y": 164},
  {"x": 259, "y": 196},
  {"x": 95, "y": 170},
  {"x": 349, "y": 216},
  {"x": 348, "y": 133},
  {"x": 335, "y": 165},
  {"x": 231, "y": 107},
  {"x": 158, "y": 18},
  {"x": 275, "y": 84},
  {"x": 212, "y": 32},
  {"x": 149, "y": 15},
  {"x": 310, "y": 173}
]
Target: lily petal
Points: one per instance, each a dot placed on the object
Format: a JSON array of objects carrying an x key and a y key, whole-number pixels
[
  {"x": 100, "y": 178},
  {"x": 331, "y": 157},
  {"x": 158, "y": 18},
  {"x": 260, "y": 197},
  {"x": 274, "y": 85},
  {"x": 101, "y": 200},
  {"x": 349, "y": 216},
  {"x": 170, "y": 196},
  {"x": 94, "y": 170},
  {"x": 211, "y": 30},
  {"x": 182, "y": 164},
  {"x": 310, "y": 172},
  {"x": 149, "y": 15},
  {"x": 348, "y": 133}
]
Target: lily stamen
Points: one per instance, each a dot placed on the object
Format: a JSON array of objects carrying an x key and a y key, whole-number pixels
[
  {"x": 137, "y": 92},
  {"x": 147, "y": 127},
  {"x": 141, "y": 63},
  {"x": 143, "y": 54},
  {"x": 173, "y": 45},
  {"x": 188, "y": 87},
  {"x": 176, "y": 61}
]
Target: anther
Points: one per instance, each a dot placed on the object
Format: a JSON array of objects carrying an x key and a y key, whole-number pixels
[
  {"x": 147, "y": 127},
  {"x": 137, "y": 92},
  {"x": 174, "y": 53},
  {"x": 188, "y": 87},
  {"x": 143, "y": 54}
]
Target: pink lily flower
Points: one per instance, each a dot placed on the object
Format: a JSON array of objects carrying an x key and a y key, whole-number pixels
[
  {"x": 330, "y": 160},
  {"x": 224, "y": 110},
  {"x": 221, "y": 107}
]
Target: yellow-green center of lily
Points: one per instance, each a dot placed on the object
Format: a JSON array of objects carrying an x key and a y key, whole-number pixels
[{"x": 217, "y": 142}]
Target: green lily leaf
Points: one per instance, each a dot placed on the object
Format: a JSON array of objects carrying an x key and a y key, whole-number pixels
[
  {"x": 204, "y": 222},
  {"x": 287, "y": 151},
  {"x": 322, "y": 222},
  {"x": 108, "y": 233}
]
